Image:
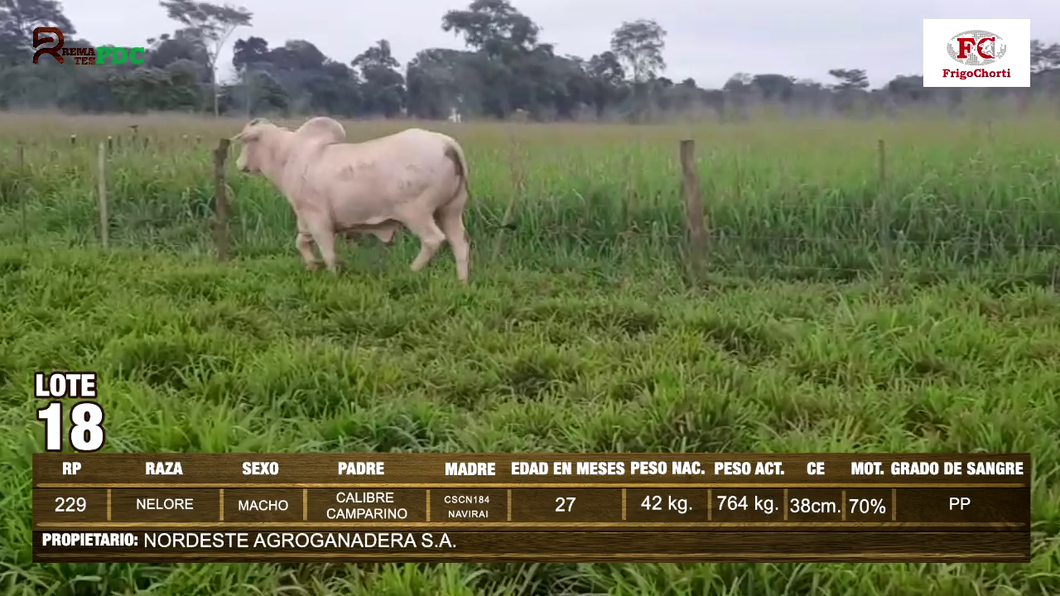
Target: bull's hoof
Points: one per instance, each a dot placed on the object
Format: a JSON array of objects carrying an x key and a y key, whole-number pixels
[{"x": 314, "y": 266}]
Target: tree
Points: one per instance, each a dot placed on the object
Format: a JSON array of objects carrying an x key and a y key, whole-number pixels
[
  {"x": 738, "y": 94},
  {"x": 18, "y": 18},
  {"x": 303, "y": 71},
  {"x": 250, "y": 58},
  {"x": 607, "y": 68},
  {"x": 908, "y": 88},
  {"x": 384, "y": 86},
  {"x": 438, "y": 80},
  {"x": 774, "y": 87},
  {"x": 850, "y": 88},
  {"x": 850, "y": 79},
  {"x": 512, "y": 67},
  {"x": 607, "y": 78},
  {"x": 248, "y": 52},
  {"x": 1044, "y": 57},
  {"x": 333, "y": 89},
  {"x": 507, "y": 68},
  {"x": 494, "y": 27},
  {"x": 640, "y": 44},
  {"x": 297, "y": 55},
  {"x": 213, "y": 24},
  {"x": 377, "y": 56},
  {"x": 184, "y": 44}
]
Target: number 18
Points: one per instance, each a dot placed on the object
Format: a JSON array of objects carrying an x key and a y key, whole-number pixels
[{"x": 87, "y": 432}]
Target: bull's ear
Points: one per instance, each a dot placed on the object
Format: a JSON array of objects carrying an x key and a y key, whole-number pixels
[
  {"x": 247, "y": 136},
  {"x": 249, "y": 131}
]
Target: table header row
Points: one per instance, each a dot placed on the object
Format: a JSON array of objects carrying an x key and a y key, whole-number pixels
[{"x": 528, "y": 468}]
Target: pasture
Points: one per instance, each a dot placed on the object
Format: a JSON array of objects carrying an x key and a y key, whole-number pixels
[{"x": 854, "y": 303}]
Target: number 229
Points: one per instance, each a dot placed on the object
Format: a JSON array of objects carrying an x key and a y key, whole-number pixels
[{"x": 70, "y": 504}]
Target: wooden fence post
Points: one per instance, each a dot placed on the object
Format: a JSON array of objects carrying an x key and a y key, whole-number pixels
[
  {"x": 517, "y": 194},
  {"x": 697, "y": 236},
  {"x": 20, "y": 163},
  {"x": 634, "y": 183},
  {"x": 631, "y": 189},
  {"x": 104, "y": 217},
  {"x": 220, "y": 231},
  {"x": 883, "y": 212}
]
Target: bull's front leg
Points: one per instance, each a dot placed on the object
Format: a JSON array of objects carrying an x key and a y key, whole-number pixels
[
  {"x": 304, "y": 243},
  {"x": 326, "y": 243},
  {"x": 324, "y": 235}
]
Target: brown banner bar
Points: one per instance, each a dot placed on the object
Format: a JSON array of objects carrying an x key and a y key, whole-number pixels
[
  {"x": 448, "y": 546},
  {"x": 55, "y": 470},
  {"x": 519, "y": 507}
]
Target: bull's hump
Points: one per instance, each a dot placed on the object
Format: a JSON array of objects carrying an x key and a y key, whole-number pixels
[{"x": 417, "y": 134}]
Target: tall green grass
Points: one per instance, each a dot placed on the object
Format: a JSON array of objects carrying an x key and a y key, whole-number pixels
[
  {"x": 800, "y": 200},
  {"x": 581, "y": 336}
]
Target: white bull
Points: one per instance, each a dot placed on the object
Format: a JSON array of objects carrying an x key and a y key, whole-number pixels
[{"x": 416, "y": 178}]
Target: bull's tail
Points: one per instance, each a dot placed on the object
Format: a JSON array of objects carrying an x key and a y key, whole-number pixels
[{"x": 456, "y": 155}]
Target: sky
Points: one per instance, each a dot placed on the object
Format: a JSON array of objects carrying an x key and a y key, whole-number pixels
[{"x": 708, "y": 41}]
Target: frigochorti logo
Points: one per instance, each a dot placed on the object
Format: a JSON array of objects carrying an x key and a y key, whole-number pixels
[
  {"x": 977, "y": 53},
  {"x": 976, "y": 49}
]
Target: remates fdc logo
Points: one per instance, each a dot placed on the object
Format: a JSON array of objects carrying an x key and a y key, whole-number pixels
[
  {"x": 81, "y": 56},
  {"x": 977, "y": 53}
]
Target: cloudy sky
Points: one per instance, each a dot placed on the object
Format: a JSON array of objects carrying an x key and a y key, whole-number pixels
[{"x": 708, "y": 41}]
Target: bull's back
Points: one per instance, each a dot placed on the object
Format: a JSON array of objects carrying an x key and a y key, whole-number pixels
[
  {"x": 390, "y": 168},
  {"x": 412, "y": 145},
  {"x": 414, "y": 157}
]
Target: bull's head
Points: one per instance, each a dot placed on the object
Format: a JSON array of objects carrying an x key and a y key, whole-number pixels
[{"x": 250, "y": 156}]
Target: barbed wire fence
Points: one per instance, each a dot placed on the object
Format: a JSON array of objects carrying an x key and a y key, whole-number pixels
[{"x": 703, "y": 249}]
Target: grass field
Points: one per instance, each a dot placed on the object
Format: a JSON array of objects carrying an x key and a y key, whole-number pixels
[{"x": 581, "y": 336}]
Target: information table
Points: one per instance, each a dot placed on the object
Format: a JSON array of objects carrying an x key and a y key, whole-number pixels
[{"x": 238, "y": 507}]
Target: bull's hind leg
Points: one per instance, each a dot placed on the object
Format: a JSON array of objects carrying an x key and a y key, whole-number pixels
[
  {"x": 451, "y": 221},
  {"x": 431, "y": 238}
]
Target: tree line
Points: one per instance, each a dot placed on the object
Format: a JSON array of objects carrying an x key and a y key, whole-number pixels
[{"x": 506, "y": 72}]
